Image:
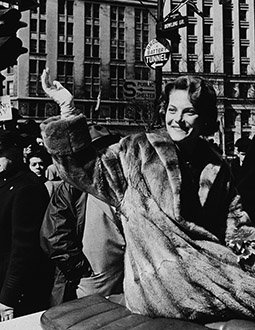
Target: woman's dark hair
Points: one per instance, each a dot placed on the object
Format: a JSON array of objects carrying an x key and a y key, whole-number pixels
[
  {"x": 202, "y": 96},
  {"x": 40, "y": 152}
]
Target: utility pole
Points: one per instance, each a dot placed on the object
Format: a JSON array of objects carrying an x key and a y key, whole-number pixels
[{"x": 158, "y": 78}]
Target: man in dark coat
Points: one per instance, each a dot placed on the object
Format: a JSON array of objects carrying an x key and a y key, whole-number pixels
[{"x": 23, "y": 272}]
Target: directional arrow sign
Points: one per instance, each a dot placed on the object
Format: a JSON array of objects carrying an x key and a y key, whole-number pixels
[
  {"x": 139, "y": 89},
  {"x": 157, "y": 53}
]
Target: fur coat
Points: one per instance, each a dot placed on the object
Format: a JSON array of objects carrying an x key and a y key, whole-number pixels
[{"x": 175, "y": 266}]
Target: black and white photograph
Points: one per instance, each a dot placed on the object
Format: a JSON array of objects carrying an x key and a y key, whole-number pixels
[{"x": 127, "y": 164}]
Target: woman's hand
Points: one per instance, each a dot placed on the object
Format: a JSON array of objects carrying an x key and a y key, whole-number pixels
[
  {"x": 59, "y": 94},
  {"x": 6, "y": 312}
]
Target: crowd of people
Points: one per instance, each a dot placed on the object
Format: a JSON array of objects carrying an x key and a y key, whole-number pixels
[{"x": 157, "y": 219}]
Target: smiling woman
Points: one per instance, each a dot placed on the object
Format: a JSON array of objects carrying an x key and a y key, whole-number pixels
[{"x": 182, "y": 218}]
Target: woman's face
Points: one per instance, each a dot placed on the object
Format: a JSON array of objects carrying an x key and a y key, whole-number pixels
[
  {"x": 5, "y": 163},
  {"x": 36, "y": 165},
  {"x": 182, "y": 120}
]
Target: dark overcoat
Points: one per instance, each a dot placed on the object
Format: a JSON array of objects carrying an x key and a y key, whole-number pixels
[
  {"x": 22, "y": 265},
  {"x": 175, "y": 266}
]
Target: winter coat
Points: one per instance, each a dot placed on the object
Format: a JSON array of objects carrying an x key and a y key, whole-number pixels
[
  {"x": 80, "y": 232},
  {"x": 24, "y": 276},
  {"x": 177, "y": 263}
]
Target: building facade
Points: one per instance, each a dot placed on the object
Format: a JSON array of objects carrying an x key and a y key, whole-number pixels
[{"x": 93, "y": 47}]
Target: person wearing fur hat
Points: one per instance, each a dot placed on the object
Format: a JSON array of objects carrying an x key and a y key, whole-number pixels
[
  {"x": 23, "y": 202},
  {"x": 189, "y": 245}
]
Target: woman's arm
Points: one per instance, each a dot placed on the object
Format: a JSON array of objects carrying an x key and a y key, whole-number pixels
[{"x": 68, "y": 140}]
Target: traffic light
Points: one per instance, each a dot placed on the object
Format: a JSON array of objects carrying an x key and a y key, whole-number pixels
[{"x": 10, "y": 45}]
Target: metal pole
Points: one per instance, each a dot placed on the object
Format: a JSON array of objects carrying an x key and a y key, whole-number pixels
[{"x": 158, "y": 78}]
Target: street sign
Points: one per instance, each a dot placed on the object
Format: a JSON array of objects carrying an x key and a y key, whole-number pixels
[
  {"x": 157, "y": 53},
  {"x": 175, "y": 21},
  {"x": 139, "y": 89}
]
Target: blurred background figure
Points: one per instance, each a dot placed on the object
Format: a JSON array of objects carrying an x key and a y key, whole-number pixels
[
  {"x": 38, "y": 160},
  {"x": 246, "y": 184},
  {"x": 242, "y": 146},
  {"x": 25, "y": 272},
  {"x": 83, "y": 236}
]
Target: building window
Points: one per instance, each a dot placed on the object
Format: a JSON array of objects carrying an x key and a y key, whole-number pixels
[
  {"x": 207, "y": 48},
  {"x": 191, "y": 66},
  {"x": 207, "y": 67},
  {"x": 117, "y": 33},
  {"x": 243, "y": 51},
  {"x": 190, "y": 11},
  {"x": 207, "y": 11},
  {"x": 227, "y": 13},
  {"x": 61, "y": 48},
  {"x": 228, "y": 33},
  {"x": 69, "y": 29},
  {"x": 32, "y": 66},
  {"x": 42, "y": 46},
  {"x": 61, "y": 28},
  {"x": 92, "y": 80},
  {"x": 65, "y": 74},
  {"x": 243, "y": 89},
  {"x": 35, "y": 70},
  {"x": 229, "y": 68},
  {"x": 191, "y": 29},
  {"x": 243, "y": 15},
  {"x": 61, "y": 7},
  {"x": 33, "y": 46},
  {"x": 33, "y": 25},
  {"x": 117, "y": 76},
  {"x": 10, "y": 88},
  {"x": 42, "y": 7},
  {"x": 244, "y": 68},
  {"x": 91, "y": 30},
  {"x": 175, "y": 65},
  {"x": 69, "y": 7},
  {"x": 141, "y": 33},
  {"x": 207, "y": 29},
  {"x": 191, "y": 47},
  {"x": 228, "y": 51},
  {"x": 42, "y": 26},
  {"x": 38, "y": 24},
  {"x": 65, "y": 27},
  {"x": 243, "y": 33},
  {"x": 142, "y": 73}
]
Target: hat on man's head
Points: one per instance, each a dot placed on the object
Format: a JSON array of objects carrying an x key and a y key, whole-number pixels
[
  {"x": 8, "y": 140},
  {"x": 243, "y": 144},
  {"x": 101, "y": 137}
]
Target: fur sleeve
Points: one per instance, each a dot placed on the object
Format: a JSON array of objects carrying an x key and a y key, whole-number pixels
[{"x": 69, "y": 143}]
